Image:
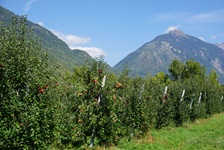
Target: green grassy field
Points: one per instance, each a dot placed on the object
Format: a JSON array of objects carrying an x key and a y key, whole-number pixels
[{"x": 204, "y": 134}]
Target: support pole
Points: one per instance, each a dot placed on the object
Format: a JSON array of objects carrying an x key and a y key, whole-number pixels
[
  {"x": 199, "y": 100},
  {"x": 165, "y": 91},
  {"x": 182, "y": 96},
  {"x": 99, "y": 100}
]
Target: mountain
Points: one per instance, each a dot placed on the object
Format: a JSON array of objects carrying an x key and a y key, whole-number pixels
[
  {"x": 58, "y": 51},
  {"x": 220, "y": 45},
  {"x": 156, "y": 55}
]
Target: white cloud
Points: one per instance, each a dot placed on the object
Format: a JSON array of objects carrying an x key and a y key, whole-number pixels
[
  {"x": 171, "y": 28},
  {"x": 40, "y": 23},
  {"x": 214, "y": 37},
  {"x": 70, "y": 39},
  {"x": 92, "y": 51},
  {"x": 73, "y": 41},
  {"x": 28, "y": 5}
]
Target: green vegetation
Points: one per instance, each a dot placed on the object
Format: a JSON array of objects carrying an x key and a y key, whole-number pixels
[
  {"x": 92, "y": 106},
  {"x": 204, "y": 134},
  {"x": 27, "y": 89}
]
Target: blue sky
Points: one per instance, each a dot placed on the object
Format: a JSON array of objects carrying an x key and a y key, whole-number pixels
[{"x": 116, "y": 28}]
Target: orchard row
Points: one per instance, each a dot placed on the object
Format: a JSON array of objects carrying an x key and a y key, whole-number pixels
[
  {"x": 105, "y": 107},
  {"x": 91, "y": 106}
]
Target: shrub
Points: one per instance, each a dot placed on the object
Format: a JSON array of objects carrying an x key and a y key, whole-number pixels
[{"x": 26, "y": 89}]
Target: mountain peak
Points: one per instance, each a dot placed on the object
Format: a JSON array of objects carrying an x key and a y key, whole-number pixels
[
  {"x": 177, "y": 32},
  {"x": 156, "y": 55}
]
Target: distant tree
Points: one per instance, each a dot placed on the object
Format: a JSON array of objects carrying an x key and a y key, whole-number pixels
[
  {"x": 193, "y": 69},
  {"x": 176, "y": 69},
  {"x": 162, "y": 77},
  {"x": 213, "y": 77}
]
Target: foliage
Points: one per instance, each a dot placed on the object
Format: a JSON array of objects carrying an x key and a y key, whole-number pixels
[
  {"x": 176, "y": 69},
  {"x": 26, "y": 89},
  {"x": 129, "y": 107},
  {"x": 92, "y": 106}
]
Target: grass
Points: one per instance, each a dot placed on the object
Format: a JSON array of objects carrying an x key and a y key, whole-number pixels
[{"x": 204, "y": 134}]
